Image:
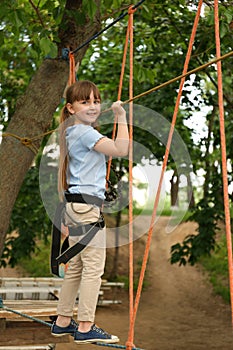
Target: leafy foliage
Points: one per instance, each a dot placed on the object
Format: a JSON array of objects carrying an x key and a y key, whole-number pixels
[
  {"x": 29, "y": 221},
  {"x": 208, "y": 213}
]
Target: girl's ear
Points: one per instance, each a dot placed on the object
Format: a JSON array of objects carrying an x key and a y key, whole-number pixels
[{"x": 70, "y": 108}]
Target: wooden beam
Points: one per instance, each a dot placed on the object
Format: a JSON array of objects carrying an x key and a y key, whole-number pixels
[
  {"x": 28, "y": 333},
  {"x": 29, "y": 347}
]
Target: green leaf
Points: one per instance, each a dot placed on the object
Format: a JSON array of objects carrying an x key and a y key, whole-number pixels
[
  {"x": 17, "y": 20},
  {"x": 91, "y": 7},
  {"x": 48, "y": 48},
  {"x": 229, "y": 15},
  {"x": 45, "y": 45},
  {"x": 223, "y": 29}
]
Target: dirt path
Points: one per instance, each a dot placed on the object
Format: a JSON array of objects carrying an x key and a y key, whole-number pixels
[{"x": 177, "y": 311}]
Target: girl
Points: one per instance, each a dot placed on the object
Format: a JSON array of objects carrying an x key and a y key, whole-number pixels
[{"x": 82, "y": 176}]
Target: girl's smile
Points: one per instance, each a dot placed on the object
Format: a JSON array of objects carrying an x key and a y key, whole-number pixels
[{"x": 85, "y": 111}]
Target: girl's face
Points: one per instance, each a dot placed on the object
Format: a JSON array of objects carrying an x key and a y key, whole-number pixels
[{"x": 85, "y": 111}]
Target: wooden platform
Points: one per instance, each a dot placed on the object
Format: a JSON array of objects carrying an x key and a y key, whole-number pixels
[
  {"x": 37, "y": 297},
  {"x": 29, "y": 347},
  {"x": 41, "y": 309},
  {"x": 29, "y": 288},
  {"x": 20, "y": 333}
]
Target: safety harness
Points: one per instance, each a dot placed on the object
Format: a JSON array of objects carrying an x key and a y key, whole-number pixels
[{"x": 63, "y": 254}]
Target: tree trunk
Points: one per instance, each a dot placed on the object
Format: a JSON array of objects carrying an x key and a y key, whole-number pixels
[
  {"x": 34, "y": 112},
  {"x": 207, "y": 153},
  {"x": 190, "y": 194},
  {"x": 174, "y": 189}
]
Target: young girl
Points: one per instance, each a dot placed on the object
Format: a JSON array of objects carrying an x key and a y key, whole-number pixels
[{"x": 82, "y": 179}]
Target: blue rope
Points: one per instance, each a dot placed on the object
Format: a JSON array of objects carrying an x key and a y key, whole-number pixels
[
  {"x": 64, "y": 53},
  {"x": 23, "y": 315},
  {"x": 2, "y": 306},
  {"x": 115, "y": 346}
]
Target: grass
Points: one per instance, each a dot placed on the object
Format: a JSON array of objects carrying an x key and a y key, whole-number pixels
[
  {"x": 38, "y": 265},
  {"x": 217, "y": 267}
]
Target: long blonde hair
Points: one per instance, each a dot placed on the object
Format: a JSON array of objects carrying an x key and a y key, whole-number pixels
[{"x": 78, "y": 91}]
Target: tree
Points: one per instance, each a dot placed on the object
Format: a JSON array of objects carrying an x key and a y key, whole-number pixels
[{"x": 35, "y": 109}]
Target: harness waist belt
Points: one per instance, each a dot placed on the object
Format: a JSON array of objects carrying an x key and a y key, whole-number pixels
[{"x": 83, "y": 198}]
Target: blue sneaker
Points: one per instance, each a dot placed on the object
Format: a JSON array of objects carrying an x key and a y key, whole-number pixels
[
  {"x": 95, "y": 335},
  {"x": 60, "y": 331}
]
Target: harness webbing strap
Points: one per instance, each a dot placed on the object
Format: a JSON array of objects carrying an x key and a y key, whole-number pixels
[
  {"x": 56, "y": 239},
  {"x": 89, "y": 231},
  {"x": 63, "y": 255}
]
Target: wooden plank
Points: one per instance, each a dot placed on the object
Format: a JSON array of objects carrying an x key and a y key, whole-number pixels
[
  {"x": 31, "y": 293},
  {"x": 44, "y": 281},
  {"x": 28, "y": 333},
  {"x": 113, "y": 284},
  {"x": 41, "y": 309},
  {"x": 30, "y": 281},
  {"x": 2, "y": 323},
  {"x": 29, "y": 347}
]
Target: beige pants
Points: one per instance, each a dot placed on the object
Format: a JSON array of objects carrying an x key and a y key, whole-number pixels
[{"x": 85, "y": 269}]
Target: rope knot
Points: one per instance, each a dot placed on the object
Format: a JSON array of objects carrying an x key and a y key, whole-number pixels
[
  {"x": 131, "y": 10},
  {"x": 129, "y": 345},
  {"x": 26, "y": 141}
]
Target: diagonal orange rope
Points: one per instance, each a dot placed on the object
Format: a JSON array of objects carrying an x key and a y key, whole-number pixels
[
  {"x": 224, "y": 156},
  {"x": 176, "y": 109}
]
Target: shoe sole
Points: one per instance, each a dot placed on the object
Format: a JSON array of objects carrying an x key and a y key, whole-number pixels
[
  {"x": 62, "y": 334},
  {"x": 106, "y": 341}
]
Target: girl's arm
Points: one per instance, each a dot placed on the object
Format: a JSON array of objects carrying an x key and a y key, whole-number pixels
[{"x": 118, "y": 147}]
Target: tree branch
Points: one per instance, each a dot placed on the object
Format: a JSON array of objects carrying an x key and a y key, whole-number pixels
[
  {"x": 37, "y": 12},
  {"x": 197, "y": 58}
]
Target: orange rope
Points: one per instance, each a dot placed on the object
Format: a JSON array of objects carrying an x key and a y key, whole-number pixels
[
  {"x": 129, "y": 343},
  {"x": 118, "y": 97},
  {"x": 72, "y": 75},
  {"x": 224, "y": 156},
  {"x": 176, "y": 109}
]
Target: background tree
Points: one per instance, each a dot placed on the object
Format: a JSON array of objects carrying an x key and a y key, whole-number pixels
[{"x": 209, "y": 211}]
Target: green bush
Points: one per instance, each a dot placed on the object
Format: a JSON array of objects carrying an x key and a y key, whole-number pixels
[
  {"x": 217, "y": 267},
  {"x": 38, "y": 265}
]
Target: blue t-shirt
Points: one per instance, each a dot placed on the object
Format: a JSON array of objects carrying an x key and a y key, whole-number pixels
[{"x": 87, "y": 168}]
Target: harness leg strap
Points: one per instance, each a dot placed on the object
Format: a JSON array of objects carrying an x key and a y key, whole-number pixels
[{"x": 91, "y": 231}]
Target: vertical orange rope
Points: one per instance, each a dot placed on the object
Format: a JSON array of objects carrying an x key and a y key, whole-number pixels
[
  {"x": 224, "y": 156},
  {"x": 176, "y": 109},
  {"x": 72, "y": 75},
  {"x": 119, "y": 96},
  {"x": 129, "y": 343}
]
